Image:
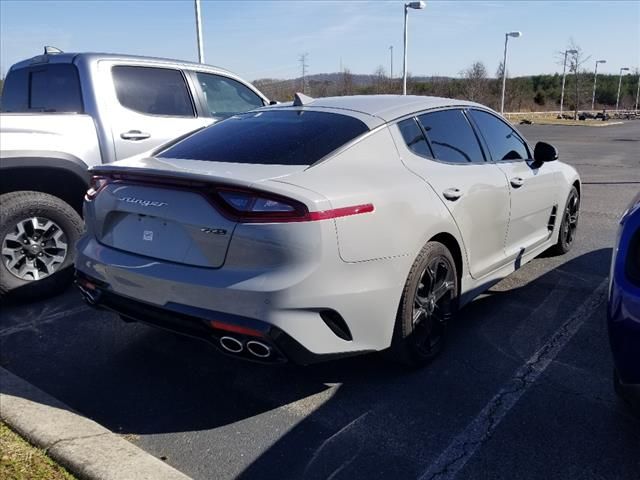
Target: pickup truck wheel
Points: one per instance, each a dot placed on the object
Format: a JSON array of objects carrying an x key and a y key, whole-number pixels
[{"x": 38, "y": 234}]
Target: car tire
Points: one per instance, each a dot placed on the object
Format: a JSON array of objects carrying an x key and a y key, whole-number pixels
[
  {"x": 568, "y": 225},
  {"x": 429, "y": 301},
  {"x": 44, "y": 266}
]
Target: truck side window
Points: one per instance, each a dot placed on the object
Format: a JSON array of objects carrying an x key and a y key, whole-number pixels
[
  {"x": 43, "y": 88},
  {"x": 226, "y": 97},
  {"x": 152, "y": 91}
]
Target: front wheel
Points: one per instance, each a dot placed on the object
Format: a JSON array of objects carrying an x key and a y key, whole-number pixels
[
  {"x": 38, "y": 234},
  {"x": 569, "y": 224},
  {"x": 428, "y": 303}
]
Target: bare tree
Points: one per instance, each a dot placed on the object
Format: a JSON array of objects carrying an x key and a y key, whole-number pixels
[
  {"x": 576, "y": 61},
  {"x": 475, "y": 84},
  {"x": 346, "y": 82},
  {"x": 380, "y": 80}
]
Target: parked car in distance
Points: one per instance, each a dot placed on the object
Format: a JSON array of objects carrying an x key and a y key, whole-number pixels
[
  {"x": 326, "y": 227},
  {"x": 65, "y": 112},
  {"x": 623, "y": 310}
]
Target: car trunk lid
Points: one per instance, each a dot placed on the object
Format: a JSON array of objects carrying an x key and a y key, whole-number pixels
[{"x": 162, "y": 210}]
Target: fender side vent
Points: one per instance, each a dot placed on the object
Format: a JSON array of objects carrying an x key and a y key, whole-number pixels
[
  {"x": 337, "y": 324},
  {"x": 552, "y": 218}
]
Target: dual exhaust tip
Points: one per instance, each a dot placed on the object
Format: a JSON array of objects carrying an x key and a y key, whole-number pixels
[{"x": 254, "y": 347}]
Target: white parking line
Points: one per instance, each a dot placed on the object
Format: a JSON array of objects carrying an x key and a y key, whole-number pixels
[
  {"x": 43, "y": 319},
  {"x": 452, "y": 460}
]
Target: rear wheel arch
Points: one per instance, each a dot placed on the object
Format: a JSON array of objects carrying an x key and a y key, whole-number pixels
[
  {"x": 66, "y": 179},
  {"x": 453, "y": 246}
]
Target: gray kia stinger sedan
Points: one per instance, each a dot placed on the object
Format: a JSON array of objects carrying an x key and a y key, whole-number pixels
[{"x": 324, "y": 227}]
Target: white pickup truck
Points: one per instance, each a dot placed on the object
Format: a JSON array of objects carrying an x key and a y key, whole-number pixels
[{"x": 65, "y": 112}]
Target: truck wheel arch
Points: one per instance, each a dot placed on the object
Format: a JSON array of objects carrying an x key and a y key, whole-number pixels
[{"x": 58, "y": 174}]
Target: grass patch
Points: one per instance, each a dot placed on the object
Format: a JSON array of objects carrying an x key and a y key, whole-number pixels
[{"x": 21, "y": 461}]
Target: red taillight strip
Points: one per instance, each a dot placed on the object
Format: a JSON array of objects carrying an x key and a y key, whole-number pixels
[
  {"x": 228, "y": 327},
  {"x": 341, "y": 212}
]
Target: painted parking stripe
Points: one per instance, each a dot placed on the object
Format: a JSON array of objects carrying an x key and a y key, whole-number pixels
[{"x": 453, "y": 459}]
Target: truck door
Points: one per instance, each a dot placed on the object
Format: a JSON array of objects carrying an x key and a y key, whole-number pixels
[{"x": 151, "y": 106}]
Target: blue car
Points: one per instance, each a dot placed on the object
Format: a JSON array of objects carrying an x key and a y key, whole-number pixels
[{"x": 624, "y": 305}]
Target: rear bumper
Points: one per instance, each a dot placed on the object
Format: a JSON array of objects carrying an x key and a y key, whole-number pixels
[
  {"x": 207, "y": 325},
  {"x": 317, "y": 308}
]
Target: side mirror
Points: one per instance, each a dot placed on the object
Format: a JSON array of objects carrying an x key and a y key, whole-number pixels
[{"x": 545, "y": 152}]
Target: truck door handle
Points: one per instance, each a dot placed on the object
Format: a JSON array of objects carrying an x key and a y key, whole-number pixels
[
  {"x": 517, "y": 182},
  {"x": 134, "y": 135},
  {"x": 452, "y": 194}
]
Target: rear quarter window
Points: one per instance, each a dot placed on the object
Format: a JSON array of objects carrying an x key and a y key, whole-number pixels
[
  {"x": 278, "y": 137},
  {"x": 43, "y": 88}
]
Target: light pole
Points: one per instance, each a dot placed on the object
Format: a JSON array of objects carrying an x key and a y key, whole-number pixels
[
  {"x": 637, "y": 90},
  {"x": 564, "y": 76},
  {"x": 595, "y": 77},
  {"x": 623, "y": 69},
  {"x": 416, "y": 6},
  {"x": 391, "y": 70},
  {"x": 504, "y": 65},
  {"x": 199, "y": 31}
]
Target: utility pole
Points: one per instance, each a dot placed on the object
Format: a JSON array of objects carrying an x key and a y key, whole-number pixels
[
  {"x": 504, "y": 65},
  {"x": 637, "y": 90},
  {"x": 391, "y": 69},
  {"x": 595, "y": 78},
  {"x": 199, "y": 31},
  {"x": 623, "y": 69},
  {"x": 577, "y": 101},
  {"x": 303, "y": 66}
]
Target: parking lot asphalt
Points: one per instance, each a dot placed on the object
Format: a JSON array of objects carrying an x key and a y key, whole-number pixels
[{"x": 523, "y": 389}]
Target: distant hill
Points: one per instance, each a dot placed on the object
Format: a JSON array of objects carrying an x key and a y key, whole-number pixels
[{"x": 358, "y": 79}]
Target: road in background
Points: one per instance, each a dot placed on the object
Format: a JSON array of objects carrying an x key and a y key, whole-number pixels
[{"x": 214, "y": 417}]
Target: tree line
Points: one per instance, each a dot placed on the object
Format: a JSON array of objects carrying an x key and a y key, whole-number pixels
[{"x": 525, "y": 93}]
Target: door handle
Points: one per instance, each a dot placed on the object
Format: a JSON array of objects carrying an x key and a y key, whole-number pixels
[
  {"x": 134, "y": 135},
  {"x": 517, "y": 182},
  {"x": 452, "y": 194}
]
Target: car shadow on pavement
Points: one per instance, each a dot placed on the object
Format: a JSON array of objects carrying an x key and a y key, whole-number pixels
[{"x": 362, "y": 417}]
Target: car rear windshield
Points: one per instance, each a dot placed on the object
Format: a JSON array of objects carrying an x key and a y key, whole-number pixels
[
  {"x": 43, "y": 88},
  {"x": 279, "y": 137}
]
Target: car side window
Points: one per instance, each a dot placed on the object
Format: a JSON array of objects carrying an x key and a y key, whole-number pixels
[
  {"x": 451, "y": 137},
  {"x": 503, "y": 141},
  {"x": 414, "y": 138},
  {"x": 153, "y": 91},
  {"x": 226, "y": 97}
]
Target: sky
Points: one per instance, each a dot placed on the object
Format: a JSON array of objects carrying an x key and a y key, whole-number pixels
[{"x": 264, "y": 39}]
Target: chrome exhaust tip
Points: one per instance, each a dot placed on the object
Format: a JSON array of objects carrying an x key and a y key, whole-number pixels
[
  {"x": 258, "y": 349},
  {"x": 231, "y": 344}
]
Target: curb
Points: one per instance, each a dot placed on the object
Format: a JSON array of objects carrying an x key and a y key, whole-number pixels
[{"x": 85, "y": 448}]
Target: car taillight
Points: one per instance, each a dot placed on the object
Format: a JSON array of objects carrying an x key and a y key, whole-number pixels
[
  {"x": 249, "y": 206},
  {"x": 97, "y": 183},
  {"x": 253, "y": 206}
]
